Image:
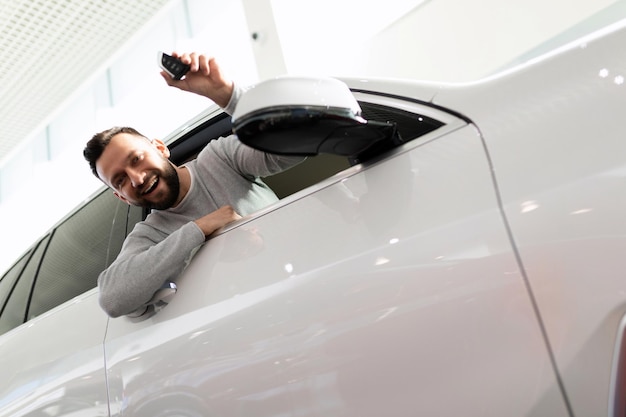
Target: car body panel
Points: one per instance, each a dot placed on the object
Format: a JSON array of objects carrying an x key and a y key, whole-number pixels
[
  {"x": 566, "y": 213},
  {"x": 423, "y": 91},
  {"x": 53, "y": 364}
]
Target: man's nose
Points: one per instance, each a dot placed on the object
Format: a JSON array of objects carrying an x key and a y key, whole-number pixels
[{"x": 136, "y": 177}]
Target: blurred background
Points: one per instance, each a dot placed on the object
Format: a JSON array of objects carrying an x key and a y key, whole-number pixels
[{"x": 71, "y": 68}]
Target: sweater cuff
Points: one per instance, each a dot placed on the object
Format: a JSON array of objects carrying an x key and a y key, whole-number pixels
[{"x": 234, "y": 98}]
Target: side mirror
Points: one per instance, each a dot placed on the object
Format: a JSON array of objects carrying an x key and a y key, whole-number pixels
[{"x": 308, "y": 116}]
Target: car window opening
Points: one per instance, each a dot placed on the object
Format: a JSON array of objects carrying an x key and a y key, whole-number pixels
[{"x": 408, "y": 126}]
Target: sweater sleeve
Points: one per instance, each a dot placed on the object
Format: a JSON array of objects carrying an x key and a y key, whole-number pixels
[
  {"x": 252, "y": 162},
  {"x": 146, "y": 261}
]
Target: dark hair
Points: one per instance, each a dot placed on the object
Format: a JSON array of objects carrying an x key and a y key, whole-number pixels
[{"x": 96, "y": 145}]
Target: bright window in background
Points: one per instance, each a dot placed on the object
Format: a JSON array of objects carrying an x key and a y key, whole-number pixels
[
  {"x": 331, "y": 36},
  {"x": 434, "y": 40},
  {"x": 140, "y": 97}
]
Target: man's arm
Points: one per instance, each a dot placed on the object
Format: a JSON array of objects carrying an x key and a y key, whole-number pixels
[
  {"x": 217, "y": 219},
  {"x": 204, "y": 78},
  {"x": 207, "y": 79},
  {"x": 149, "y": 258}
]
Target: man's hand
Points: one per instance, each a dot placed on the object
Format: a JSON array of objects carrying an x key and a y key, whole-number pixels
[
  {"x": 204, "y": 78},
  {"x": 219, "y": 218}
]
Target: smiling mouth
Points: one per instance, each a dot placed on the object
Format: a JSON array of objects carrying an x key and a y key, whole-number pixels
[{"x": 151, "y": 186}]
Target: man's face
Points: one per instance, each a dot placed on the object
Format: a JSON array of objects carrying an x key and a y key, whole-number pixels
[{"x": 139, "y": 172}]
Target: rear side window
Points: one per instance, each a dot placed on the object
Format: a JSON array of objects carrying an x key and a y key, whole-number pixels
[
  {"x": 78, "y": 252},
  {"x": 7, "y": 282},
  {"x": 14, "y": 311}
]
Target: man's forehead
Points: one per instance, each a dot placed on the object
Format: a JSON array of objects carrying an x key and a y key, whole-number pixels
[
  {"x": 123, "y": 144},
  {"x": 118, "y": 150},
  {"x": 129, "y": 138}
]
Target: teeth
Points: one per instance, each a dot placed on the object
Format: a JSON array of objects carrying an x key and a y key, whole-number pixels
[{"x": 151, "y": 186}]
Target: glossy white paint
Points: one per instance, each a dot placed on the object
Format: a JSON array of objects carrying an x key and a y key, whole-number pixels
[
  {"x": 558, "y": 146},
  {"x": 296, "y": 91},
  {"x": 51, "y": 369}
]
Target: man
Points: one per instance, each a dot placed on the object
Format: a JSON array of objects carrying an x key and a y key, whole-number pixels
[{"x": 188, "y": 202}]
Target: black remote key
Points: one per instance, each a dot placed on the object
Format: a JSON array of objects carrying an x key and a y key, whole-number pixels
[{"x": 173, "y": 66}]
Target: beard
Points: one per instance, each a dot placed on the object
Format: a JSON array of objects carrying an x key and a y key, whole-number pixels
[{"x": 170, "y": 177}]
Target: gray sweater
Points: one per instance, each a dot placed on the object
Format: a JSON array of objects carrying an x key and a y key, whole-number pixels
[{"x": 226, "y": 172}]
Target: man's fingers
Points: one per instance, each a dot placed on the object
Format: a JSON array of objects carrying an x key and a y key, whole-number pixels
[
  {"x": 204, "y": 64},
  {"x": 193, "y": 61},
  {"x": 169, "y": 80}
]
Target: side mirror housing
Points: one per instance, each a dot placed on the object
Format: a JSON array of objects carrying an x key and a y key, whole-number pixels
[{"x": 307, "y": 116}]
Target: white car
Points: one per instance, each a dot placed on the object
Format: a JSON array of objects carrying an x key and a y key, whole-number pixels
[{"x": 472, "y": 262}]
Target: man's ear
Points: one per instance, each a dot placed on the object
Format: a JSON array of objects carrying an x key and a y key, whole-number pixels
[
  {"x": 121, "y": 198},
  {"x": 161, "y": 147}
]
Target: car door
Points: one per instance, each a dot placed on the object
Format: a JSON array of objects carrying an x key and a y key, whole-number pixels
[
  {"x": 407, "y": 298},
  {"x": 390, "y": 288}
]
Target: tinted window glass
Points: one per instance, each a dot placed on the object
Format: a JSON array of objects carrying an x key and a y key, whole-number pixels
[
  {"x": 8, "y": 280},
  {"x": 15, "y": 309},
  {"x": 125, "y": 218},
  {"x": 409, "y": 125},
  {"x": 77, "y": 253},
  {"x": 135, "y": 215}
]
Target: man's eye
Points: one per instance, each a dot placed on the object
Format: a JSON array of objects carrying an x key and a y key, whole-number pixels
[{"x": 119, "y": 182}]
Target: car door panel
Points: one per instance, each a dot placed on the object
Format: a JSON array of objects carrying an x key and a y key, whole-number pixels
[
  {"x": 212, "y": 351},
  {"x": 418, "y": 302}
]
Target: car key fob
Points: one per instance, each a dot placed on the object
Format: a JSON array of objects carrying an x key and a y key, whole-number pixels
[{"x": 173, "y": 66}]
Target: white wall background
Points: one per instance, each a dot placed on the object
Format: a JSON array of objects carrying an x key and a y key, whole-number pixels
[{"x": 439, "y": 40}]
